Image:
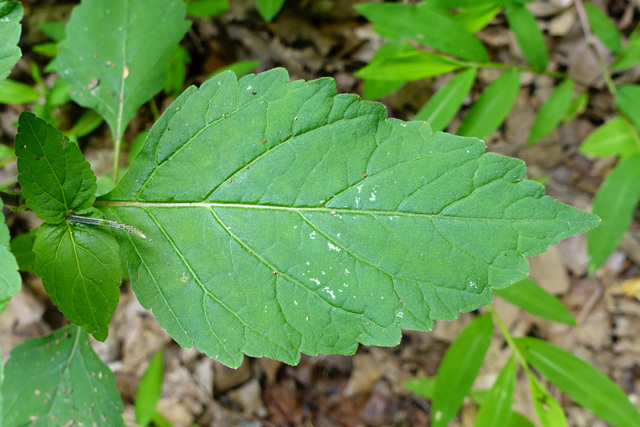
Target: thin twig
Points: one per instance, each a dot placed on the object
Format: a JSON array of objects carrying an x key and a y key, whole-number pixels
[{"x": 591, "y": 42}]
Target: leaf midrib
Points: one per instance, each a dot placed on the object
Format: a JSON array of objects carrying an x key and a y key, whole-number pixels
[{"x": 302, "y": 209}]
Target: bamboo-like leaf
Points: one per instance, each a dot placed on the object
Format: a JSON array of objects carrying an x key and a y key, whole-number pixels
[
  {"x": 627, "y": 101},
  {"x": 268, "y": 9},
  {"x": 445, "y": 103},
  {"x": 149, "y": 390},
  {"x": 617, "y": 137},
  {"x": 115, "y": 56},
  {"x": 426, "y": 25},
  {"x": 493, "y": 106},
  {"x": 283, "y": 218},
  {"x": 408, "y": 66},
  {"x": 549, "y": 411},
  {"x": 10, "y": 279},
  {"x": 13, "y": 92},
  {"x": 496, "y": 409},
  {"x": 615, "y": 203},
  {"x": 603, "y": 28},
  {"x": 529, "y": 37},
  {"x": 577, "y": 106},
  {"x": 581, "y": 381},
  {"x": 552, "y": 111},
  {"x": 459, "y": 368},
  {"x": 58, "y": 380},
  {"x": 529, "y": 296},
  {"x": 629, "y": 56},
  {"x": 375, "y": 89},
  {"x": 10, "y": 29}
]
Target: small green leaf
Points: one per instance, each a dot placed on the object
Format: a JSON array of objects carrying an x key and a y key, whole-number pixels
[
  {"x": 207, "y": 8},
  {"x": 22, "y": 248},
  {"x": 268, "y": 9},
  {"x": 149, "y": 390},
  {"x": 529, "y": 37},
  {"x": 391, "y": 217},
  {"x": 240, "y": 68},
  {"x": 54, "y": 30},
  {"x": 425, "y": 25},
  {"x": 115, "y": 56},
  {"x": 445, "y": 103},
  {"x": 628, "y": 57},
  {"x": 10, "y": 280},
  {"x": 13, "y": 92},
  {"x": 136, "y": 145},
  {"x": 580, "y": 381},
  {"x": 603, "y": 28},
  {"x": 551, "y": 112},
  {"x": 87, "y": 123},
  {"x": 615, "y": 203},
  {"x": 46, "y": 49},
  {"x": 617, "y": 137},
  {"x": 493, "y": 106},
  {"x": 529, "y": 296},
  {"x": 627, "y": 101},
  {"x": 10, "y": 29},
  {"x": 577, "y": 106},
  {"x": 422, "y": 386},
  {"x": 408, "y": 66},
  {"x": 496, "y": 409},
  {"x": 459, "y": 368},
  {"x": 80, "y": 269},
  {"x": 477, "y": 17},
  {"x": 174, "y": 84},
  {"x": 376, "y": 89},
  {"x": 463, "y": 4},
  {"x": 519, "y": 420},
  {"x": 55, "y": 178},
  {"x": 549, "y": 411},
  {"x": 59, "y": 380}
]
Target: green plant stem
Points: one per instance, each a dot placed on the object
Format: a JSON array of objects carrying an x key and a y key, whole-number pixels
[
  {"x": 116, "y": 157},
  {"x": 590, "y": 38},
  {"x": 510, "y": 342},
  {"x": 14, "y": 201},
  {"x": 498, "y": 65},
  {"x": 154, "y": 109}
]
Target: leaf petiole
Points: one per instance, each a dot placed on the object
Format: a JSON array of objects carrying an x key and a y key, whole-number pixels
[{"x": 97, "y": 221}]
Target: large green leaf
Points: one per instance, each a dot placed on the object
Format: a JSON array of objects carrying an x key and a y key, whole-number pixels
[
  {"x": 615, "y": 203},
  {"x": 493, "y": 106},
  {"x": 427, "y": 26},
  {"x": 115, "y": 56},
  {"x": 459, "y": 368},
  {"x": 581, "y": 381},
  {"x": 10, "y": 29},
  {"x": 80, "y": 270},
  {"x": 10, "y": 279},
  {"x": 55, "y": 178},
  {"x": 530, "y": 38},
  {"x": 445, "y": 103},
  {"x": 282, "y": 218},
  {"x": 58, "y": 380}
]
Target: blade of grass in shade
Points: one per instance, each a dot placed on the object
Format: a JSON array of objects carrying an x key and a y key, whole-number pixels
[
  {"x": 576, "y": 107},
  {"x": 529, "y": 296},
  {"x": 530, "y": 39},
  {"x": 477, "y": 17},
  {"x": 519, "y": 420},
  {"x": 496, "y": 409},
  {"x": 207, "y": 8},
  {"x": 551, "y": 112},
  {"x": 268, "y": 9},
  {"x": 422, "y": 386},
  {"x": 549, "y": 411},
  {"x": 13, "y": 92},
  {"x": 409, "y": 66},
  {"x": 615, "y": 204},
  {"x": 376, "y": 89},
  {"x": 149, "y": 390},
  {"x": 580, "y": 381},
  {"x": 446, "y": 102},
  {"x": 459, "y": 368},
  {"x": 603, "y": 28},
  {"x": 627, "y": 101},
  {"x": 493, "y": 106},
  {"x": 617, "y": 137}
]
